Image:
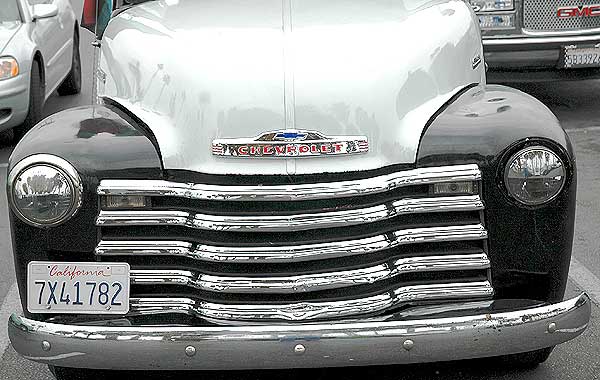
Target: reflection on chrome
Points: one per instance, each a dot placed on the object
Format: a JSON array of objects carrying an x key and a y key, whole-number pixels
[
  {"x": 286, "y": 223},
  {"x": 291, "y": 253},
  {"x": 309, "y": 282},
  {"x": 306, "y": 311},
  {"x": 380, "y": 184},
  {"x": 226, "y": 347}
]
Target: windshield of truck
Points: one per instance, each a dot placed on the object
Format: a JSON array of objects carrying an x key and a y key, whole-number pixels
[{"x": 9, "y": 11}]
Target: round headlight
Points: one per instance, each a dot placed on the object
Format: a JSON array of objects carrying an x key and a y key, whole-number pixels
[
  {"x": 44, "y": 190},
  {"x": 534, "y": 175}
]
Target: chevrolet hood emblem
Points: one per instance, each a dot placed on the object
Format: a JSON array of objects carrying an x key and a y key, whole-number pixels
[{"x": 290, "y": 143}]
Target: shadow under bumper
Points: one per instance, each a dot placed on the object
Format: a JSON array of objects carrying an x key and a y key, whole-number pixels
[{"x": 300, "y": 345}]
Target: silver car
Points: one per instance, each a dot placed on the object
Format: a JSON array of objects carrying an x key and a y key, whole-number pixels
[{"x": 39, "y": 53}]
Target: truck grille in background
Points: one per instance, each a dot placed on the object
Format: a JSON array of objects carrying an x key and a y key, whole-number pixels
[
  {"x": 541, "y": 15},
  {"x": 302, "y": 252}
]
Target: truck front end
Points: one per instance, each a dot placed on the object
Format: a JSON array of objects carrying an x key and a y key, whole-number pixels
[
  {"x": 262, "y": 191},
  {"x": 538, "y": 40}
]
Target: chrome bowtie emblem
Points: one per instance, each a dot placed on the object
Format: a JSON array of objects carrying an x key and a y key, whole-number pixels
[
  {"x": 290, "y": 136},
  {"x": 290, "y": 143}
]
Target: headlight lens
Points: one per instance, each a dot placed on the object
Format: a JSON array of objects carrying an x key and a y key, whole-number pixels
[
  {"x": 44, "y": 190},
  {"x": 9, "y": 68},
  {"x": 492, "y": 5},
  {"x": 534, "y": 176}
]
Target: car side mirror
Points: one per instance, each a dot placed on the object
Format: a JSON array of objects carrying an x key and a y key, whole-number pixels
[
  {"x": 96, "y": 15},
  {"x": 41, "y": 11}
]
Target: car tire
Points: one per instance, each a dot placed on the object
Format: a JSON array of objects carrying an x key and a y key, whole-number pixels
[
  {"x": 72, "y": 83},
  {"x": 528, "y": 360},
  {"x": 36, "y": 102}
]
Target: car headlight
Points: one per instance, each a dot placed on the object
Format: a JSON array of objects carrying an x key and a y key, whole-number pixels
[
  {"x": 492, "y": 5},
  {"x": 44, "y": 190},
  {"x": 534, "y": 175},
  {"x": 9, "y": 68}
]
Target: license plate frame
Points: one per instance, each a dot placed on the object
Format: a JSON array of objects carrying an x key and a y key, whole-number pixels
[
  {"x": 580, "y": 56},
  {"x": 52, "y": 289}
]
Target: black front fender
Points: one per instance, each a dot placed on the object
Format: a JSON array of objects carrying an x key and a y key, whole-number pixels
[
  {"x": 100, "y": 142},
  {"x": 529, "y": 247}
]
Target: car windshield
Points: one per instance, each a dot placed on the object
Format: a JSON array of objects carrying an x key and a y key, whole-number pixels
[{"x": 9, "y": 11}]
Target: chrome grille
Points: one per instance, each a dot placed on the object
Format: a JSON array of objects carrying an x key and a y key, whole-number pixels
[
  {"x": 229, "y": 253},
  {"x": 541, "y": 15}
]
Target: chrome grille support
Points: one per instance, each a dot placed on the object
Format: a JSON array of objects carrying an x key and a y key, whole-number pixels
[
  {"x": 307, "y": 311},
  {"x": 310, "y": 282}
]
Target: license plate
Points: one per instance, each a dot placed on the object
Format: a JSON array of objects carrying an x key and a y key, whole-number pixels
[
  {"x": 581, "y": 57},
  {"x": 77, "y": 288}
]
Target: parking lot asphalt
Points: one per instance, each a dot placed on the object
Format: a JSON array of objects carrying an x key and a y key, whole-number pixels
[{"x": 575, "y": 104}]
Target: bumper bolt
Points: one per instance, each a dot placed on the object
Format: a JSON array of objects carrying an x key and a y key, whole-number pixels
[
  {"x": 408, "y": 344},
  {"x": 299, "y": 349},
  {"x": 552, "y": 328},
  {"x": 190, "y": 351},
  {"x": 46, "y": 345}
]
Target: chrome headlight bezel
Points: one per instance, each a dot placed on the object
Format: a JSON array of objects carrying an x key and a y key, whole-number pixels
[
  {"x": 528, "y": 149},
  {"x": 69, "y": 173}
]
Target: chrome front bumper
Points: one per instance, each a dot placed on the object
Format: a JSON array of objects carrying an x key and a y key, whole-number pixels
[{"x": 300, "y": 345}]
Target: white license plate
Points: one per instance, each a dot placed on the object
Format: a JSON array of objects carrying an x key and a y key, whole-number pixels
[
  {"x": 77, "y": 288},
  {"x": 581, "y": 57}
]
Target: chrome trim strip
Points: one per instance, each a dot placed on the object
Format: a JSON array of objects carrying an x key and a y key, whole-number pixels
[
  {"x": 307, "y": 311},
  {"x": 291, "y": 253},
  {"x": 331, "y": 344},
  {"x": 289, "y": 96},
  {"x": 300, "y": 192},
  {"x": 567, "y": 39},
  {"x": 561, "y": 33},
  {"x": 285, "y": 223},
  {"x": 309, "y": 282}
]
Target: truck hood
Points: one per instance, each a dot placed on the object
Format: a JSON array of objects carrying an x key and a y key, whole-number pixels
[
  {"x": 7, "y": 32},
  {"x": 195, "y": 71}
]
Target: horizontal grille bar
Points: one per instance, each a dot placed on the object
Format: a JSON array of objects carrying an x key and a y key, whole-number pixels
[
  {"x": 299, "y": 192},
  {"x": 285, "y": 223},
  {"x": 306, "y": 311},
  {"x": 293, "y": 253},
  {"x": 309, "y": 282}
]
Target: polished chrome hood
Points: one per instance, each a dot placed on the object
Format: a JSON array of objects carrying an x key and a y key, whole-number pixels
[
  {"x": 195, "y": 71},
  {"x": 7, "y": 31}
]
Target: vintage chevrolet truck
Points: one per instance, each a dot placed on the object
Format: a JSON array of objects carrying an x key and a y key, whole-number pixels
[
  {"x": 540, "y": 40},
  {"x": 292, "y": 183}
]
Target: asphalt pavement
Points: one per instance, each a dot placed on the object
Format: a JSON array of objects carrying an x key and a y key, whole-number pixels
[{"x": 575, "y": 104}]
